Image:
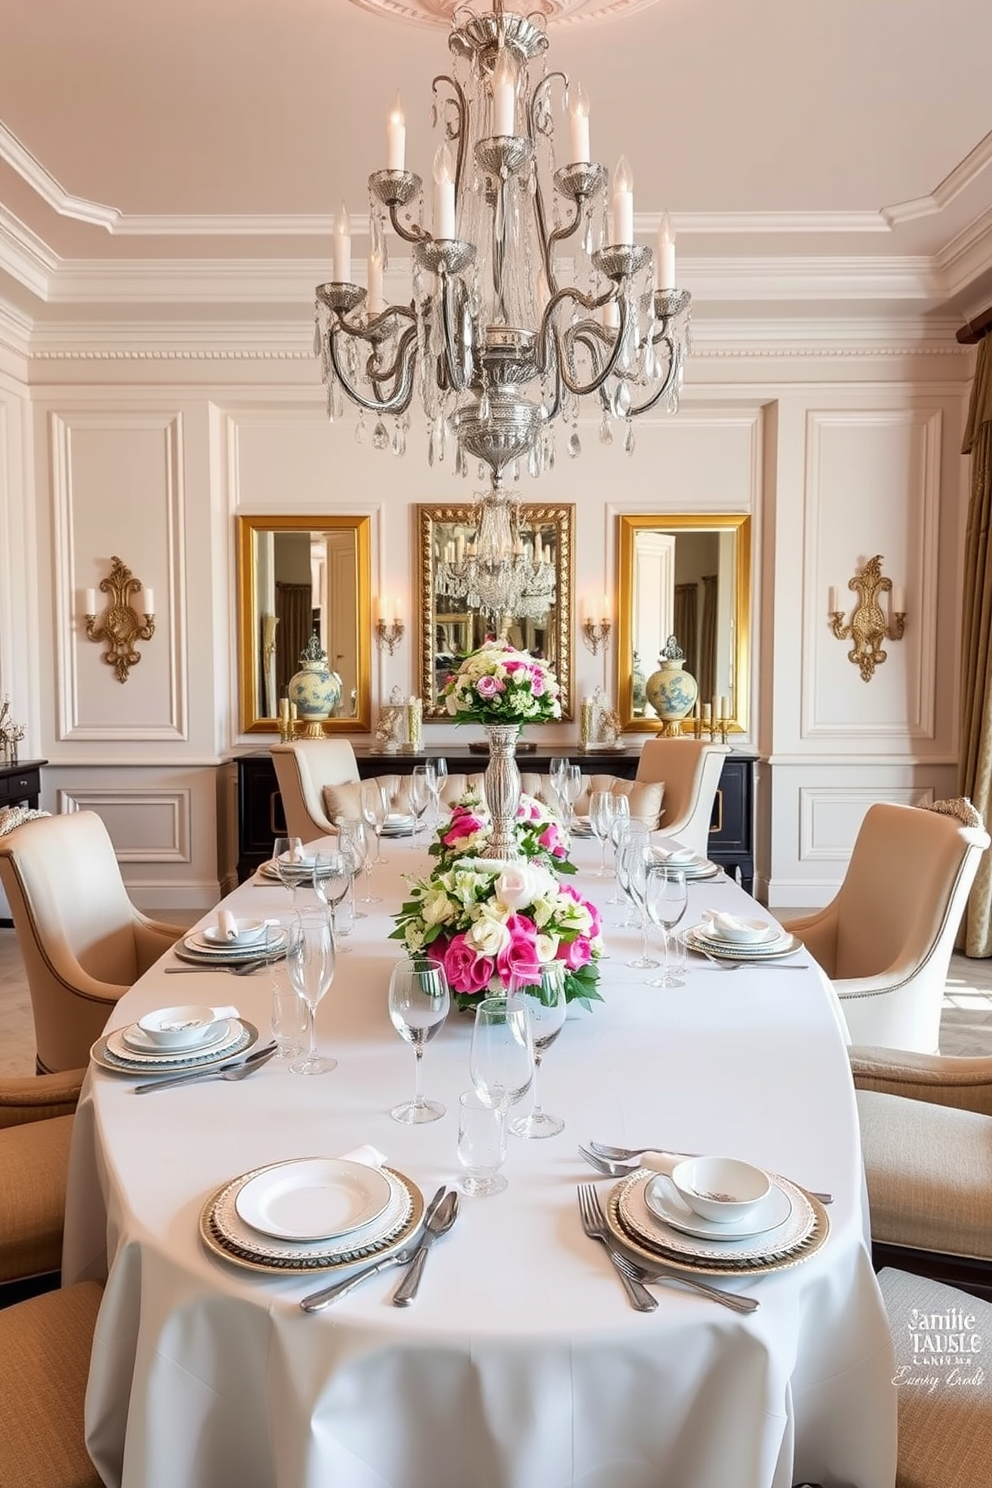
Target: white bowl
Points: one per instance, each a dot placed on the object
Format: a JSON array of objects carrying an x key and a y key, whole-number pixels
[
  {"x": 179, "y": 1027},
  {"x": 248, "y": 932},
  {"x": 722, "y": 1189},
  {"x": 739, "y": 932}
]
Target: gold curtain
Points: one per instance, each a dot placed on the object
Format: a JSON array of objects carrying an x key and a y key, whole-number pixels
[
  {"x": 706, "y": 676},
  {"x": 684, "y": 622},
  {"x": 975, "y": 766},
  {"x": 294, "y": 609}
]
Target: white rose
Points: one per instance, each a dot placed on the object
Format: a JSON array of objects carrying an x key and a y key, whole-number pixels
[
  {"x": 515, "y": 886},
  {"x": 546, "y": 947},
  {"x": 544, "y": 881},
  {"x": 436, "y": 908},
  {"x": 487, "y": 936}
]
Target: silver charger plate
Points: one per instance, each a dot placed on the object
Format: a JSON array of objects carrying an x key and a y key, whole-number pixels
[
  {"x": 653, "y": 1241},
  {"x": 178, "y": 1060},
  {"x": 191, "y": 943},
  {"x": 225, "y": 1234}
]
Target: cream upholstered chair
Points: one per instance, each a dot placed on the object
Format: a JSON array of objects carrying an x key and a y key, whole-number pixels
[
  {"x": 689, "y": 770},
  {"x": 926, "y": 1136},
  {"x": 35, "y": 1130},
  {"x": 83, "y": 942},
  {"x": 303, "y": 769},
  {"x": 645, "y": 797},
  {"x": 945, "y": 1429},
  {"x": 886, "y": 939}
]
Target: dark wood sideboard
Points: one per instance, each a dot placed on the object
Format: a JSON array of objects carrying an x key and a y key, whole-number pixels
[
  {"x": 260, "y": 816},
  {"x": 20, "y": 785}
]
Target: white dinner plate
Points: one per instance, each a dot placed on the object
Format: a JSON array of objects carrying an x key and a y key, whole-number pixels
[
  {"x": 742, "y": 932},
  {"x": 663, "y": 1200},
  {"x": 111, "y": 1053},
  {"x": 697, "y": 939},
  {"x": 314, "y": 1198},
  {"x": 643, "y": 1223},
  {"x": 304, "y": 870},
  {"x": 250, "y": 933},
  {"x": 137, "y": 1041},
  {"x": 202, "y": 950}
]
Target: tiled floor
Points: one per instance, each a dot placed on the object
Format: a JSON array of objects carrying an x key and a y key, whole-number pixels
[{"x": 966, "y": 1024}]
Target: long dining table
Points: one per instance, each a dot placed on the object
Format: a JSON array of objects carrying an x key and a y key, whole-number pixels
[{"x": 521, "y": 1364}]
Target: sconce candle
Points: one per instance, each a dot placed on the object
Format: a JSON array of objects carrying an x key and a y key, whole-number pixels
[
  {"x": 898, "y": 599},
  {"x": 91, "y": 601},
  {"x": 148, "y": 601},
  {"x": 832, "y": 602}
]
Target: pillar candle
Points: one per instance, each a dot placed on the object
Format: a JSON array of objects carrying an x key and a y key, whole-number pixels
[
  {"x": 578, "y": 127},
  {"x": 832, "y": 602},
  {"x": 396, "y": 137},
  {"x": 504, "y": 95},
  {"x": 666, "y": 253},
  {"x": 605, "y": 613},
  {"x": 284, "y": 709},
  {"x": 623, "y": 203},
  {"x": 724, "y": 709},
  {"x": 397, "y": 609},
  {"x": 148, "y": 601},
  {"x": 91, "y": 601},
  {"x": 444, "y": 194},
  {"x": 707, "y": 712},
  {"x": 292, "y": 712}
]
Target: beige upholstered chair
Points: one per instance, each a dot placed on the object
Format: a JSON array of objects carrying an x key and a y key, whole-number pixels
[
  {"x": 945, "y": 1429},
  {"x": 645, "y": 797},
  {"x": 303, "y": 769},
  {"x": 45, "y": 1345},
  {"x": 926, "y": 1135},
  {"x": 83, "y": 942},
  {"x": 690, "y": 773},
  {"x": 887, "y": 937},
  {"x": 35, "y": 1130}
]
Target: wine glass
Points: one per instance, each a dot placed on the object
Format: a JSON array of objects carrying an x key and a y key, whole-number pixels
[
  {"x": 601, "y": 820},
  {"x": 665, "y": 898},
  {"x": 556, "y": 773},
  {"x": 375, "y": 810},
  {"x": 618, "y": 831},
  {"x": 437, "y": 774},
  {"x": 418, "y": 1005},
  {"x": 359, "y": 849},
  {"x": 636, "y": 858},
  {"x": 310, "y": 963},
  {"x": 287, "y": 859},
  {"x": 331, "y": 881},
  {"x": 546, "y": 1008},
  {"x": 501, "y": 1063},
  {"x": 420, "y": 796},
  {"x": 633, "y": 831},
  {"x": 571, "y": 790}
]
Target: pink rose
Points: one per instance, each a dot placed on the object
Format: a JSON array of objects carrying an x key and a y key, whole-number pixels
[
  {"x": 488, "y": 687},
  {"x": 519, "y": 957},
  {"x": 550, "y": 841},
  {"x": 466, "y": 971},
  {"x": 576, "y": 954},
  {"x": 463, "y": 827},
  {"x": 536, "y": 684}
]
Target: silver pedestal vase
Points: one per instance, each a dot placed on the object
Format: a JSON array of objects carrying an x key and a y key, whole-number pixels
[{"x": 502, "y": 789}]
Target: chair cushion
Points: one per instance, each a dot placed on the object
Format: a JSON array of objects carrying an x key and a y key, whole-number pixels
[
  {"x": 34, "y": 1164},
  {"x": 929, "y": 1171},
  {"x": 945, "y": 1428},
  {"x": 45, "y": 1345}
]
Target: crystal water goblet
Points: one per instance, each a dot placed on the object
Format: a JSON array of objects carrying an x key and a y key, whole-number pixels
[
  {"x": 636, "y": 855},
  {"x": 353, "y": 847},
  {"x": 289, "y": 1012},
  {"x": 420, "y": 796},
  {"x": 481, "y": 1145},
  {"x": 601, "y": 820},
  {"x": 310, "y": 962},
  {"x": 556, "y": 774},
  {"x": 571, "y": 790},
  {"x": 630, "y": 831},
  {"x": 331, "y": 882},
  {"x": 437, "y": 774},
  {"x": 665, "y": 898},
  {"x": 287, "y": 859},
  {"x": 618, "y": 831},
  {"x": 375, "y": 810},
  {"x": 501, "y": 1062},
  {"x": 418, "y": 1005},
  {"x": 546, "y": 1009}
]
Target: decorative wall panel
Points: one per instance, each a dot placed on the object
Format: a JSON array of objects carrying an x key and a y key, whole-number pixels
[{"x": 146, "y": 826}]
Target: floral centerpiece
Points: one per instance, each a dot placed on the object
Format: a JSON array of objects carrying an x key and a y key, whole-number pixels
[
  {"x": 502, "y": 689},
  {"x": 486, "y": 921}
]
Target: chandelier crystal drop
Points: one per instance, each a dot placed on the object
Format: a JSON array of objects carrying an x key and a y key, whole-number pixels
[{"x": 496, "y": 348}]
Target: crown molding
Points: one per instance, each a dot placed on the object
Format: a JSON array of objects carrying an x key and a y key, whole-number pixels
[
  {"x": 25, "y": 256},
  {"x": 967, "y": 256},
  {"x": 964, "y": 174},
  {"x": 51, "y": 192}
]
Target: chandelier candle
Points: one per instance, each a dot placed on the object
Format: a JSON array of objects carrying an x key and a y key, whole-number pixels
[
  {"x": 341, "y": 256},
  {"x": 396, "y": 137},
  {"x": 666, "y": 254},
  {"x": 578, "y": 121}
]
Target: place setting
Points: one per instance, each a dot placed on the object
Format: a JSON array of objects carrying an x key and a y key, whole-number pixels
[
  {"x": 730, "y": 937},
  {"x": 695, "y": 867},
  {"x": 232, "y": 944},
  {"x": 187, "y": 1038}
]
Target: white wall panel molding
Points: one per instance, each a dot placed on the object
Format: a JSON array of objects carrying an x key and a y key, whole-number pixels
[
  {"x": 862, "y": 498},
  {"x": 128, "y": 714},
  {"x": 146, "y": 826},
  {"x": 830, "y": 816}
]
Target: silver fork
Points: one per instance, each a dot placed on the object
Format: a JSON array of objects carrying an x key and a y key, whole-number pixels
[
  {"x": 620, "y": 1162},
  {"x": 594, "y": 1225},
  {"x": 657, "y": 1275}
]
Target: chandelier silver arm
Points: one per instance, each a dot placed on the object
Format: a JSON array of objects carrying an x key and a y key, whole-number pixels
[
  {"x": 457, "y": 134},
  {"x": 402, "y": 368},
  {"x": 593, "y": 337}
]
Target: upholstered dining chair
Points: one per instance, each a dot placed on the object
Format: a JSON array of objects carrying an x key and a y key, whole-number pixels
[
  {"x": 82, "y": 941},
  {"x": 886, "y": 939},
  {"x": 304, "y": 768},
  {"x": 644, "y": 797},
  {"x": 36, "y": 1115},
  {"x": 689, "y": 770},
  {"x": 926, "y": 1138}
]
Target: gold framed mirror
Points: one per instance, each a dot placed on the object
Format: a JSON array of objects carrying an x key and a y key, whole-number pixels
[
  {"x": 452, "y": 625},
  {"x": 688, "y": 576},
  {"x": 297, "y": 575}
]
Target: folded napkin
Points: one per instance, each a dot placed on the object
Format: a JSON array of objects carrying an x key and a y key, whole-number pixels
[
  {"x": 675, "y": 855},
  {"x": 370, "y": 1156},
  {"x": 227, "y": 925},
  {"x": 660, "y": 1162},
  {"x": 224, "y": 1012}
]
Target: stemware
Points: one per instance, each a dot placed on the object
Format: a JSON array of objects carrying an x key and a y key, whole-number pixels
[
  {"x": 601, "y": 815},
  {"x": 375, "y": 810},
  {"x": 631, "y": 831},
  {"x": 437, "y": 774},
  {"x": 665, "y": 898},
  {"x": 501, "y": 1062},
  {"x": 331, "y": 881},
  {"x": 546, "y": 1008},
  {"x": 289, "y": 1011},
  {"x": 360, "y": 849},
  {"x": 618, "y": 832},
  {"x": 310, "y": 963},
  {"x": 287, "y": 857},
  {"x": 420, "y": 796},
  {"x": 570, "y": 790},
  {"x": 556, "y": 774},
  {"x": 636, "y": 864},
  {"x": 353, "y": 847},
  {"x": 418, "y": 1005}
]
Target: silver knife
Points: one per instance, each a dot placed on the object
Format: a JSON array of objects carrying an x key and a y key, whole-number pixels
[
  {"x": 187, "y": 1078},
  {"x": 439, "y": 1223},
  {"x": 317, "y": 1301}
]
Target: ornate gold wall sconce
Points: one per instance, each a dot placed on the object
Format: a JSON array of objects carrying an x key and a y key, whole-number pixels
[
  {"x": 120, "y": 625},
  {"x": 389, "y": 627},
  {"x": 595, "y": 630},
  {"x": 868, "y": 625}
]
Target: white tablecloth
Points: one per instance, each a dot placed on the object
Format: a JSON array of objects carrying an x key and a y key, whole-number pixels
[{"x": 521, "y": 1364}]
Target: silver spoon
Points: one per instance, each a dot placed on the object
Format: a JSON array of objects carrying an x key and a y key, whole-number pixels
[{"x": 317, "y": 1301}]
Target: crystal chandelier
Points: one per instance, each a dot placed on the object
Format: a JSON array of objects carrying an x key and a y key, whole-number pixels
[
  {"x": 501, "y": 575},
  {"x": 498, "y": 350}
]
